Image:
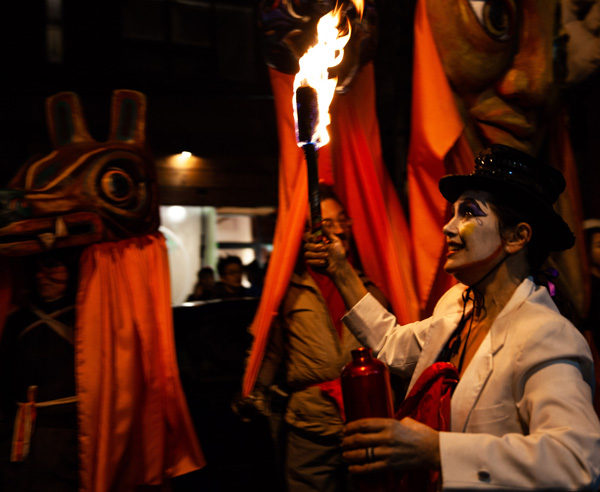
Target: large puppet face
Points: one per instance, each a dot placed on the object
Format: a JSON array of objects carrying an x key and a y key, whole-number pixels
[
  {"x": 473, "y": 237},
  {"x": 84, "y": 191},
  {"x": 497, "y": 55}
]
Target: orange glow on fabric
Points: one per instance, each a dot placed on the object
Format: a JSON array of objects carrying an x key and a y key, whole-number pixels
[
  {"x": 353, "y": 164},
  {"x": 291, "y": 218},
  {"x": 313, "y": 75},
  {"x": 364, "y": 186},
  {"x": 436, "y": 127},
  {"x": 135, "y": 426},
  {"x": 312, "y": 93}
]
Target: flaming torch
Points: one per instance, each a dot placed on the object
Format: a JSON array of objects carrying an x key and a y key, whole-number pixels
[{"x": 313, "y": 92}]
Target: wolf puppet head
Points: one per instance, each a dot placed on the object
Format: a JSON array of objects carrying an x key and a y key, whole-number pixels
[{"x": 84, "y": 191}]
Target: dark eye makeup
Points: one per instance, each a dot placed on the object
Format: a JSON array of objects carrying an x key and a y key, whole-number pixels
[{"x": 470, "y": 208}]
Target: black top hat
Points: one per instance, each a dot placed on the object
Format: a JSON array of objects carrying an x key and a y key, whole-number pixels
[{"x": 520, "y": 180}]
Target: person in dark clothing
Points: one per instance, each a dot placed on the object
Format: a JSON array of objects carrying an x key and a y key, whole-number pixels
[
  {"x": 37, "y": 363},
  {"x": 204, "y": 288},
  {"x": 256, "y": 276},
  {"x": 230, "y": 270},
  {"x": 307, "y": 349}
]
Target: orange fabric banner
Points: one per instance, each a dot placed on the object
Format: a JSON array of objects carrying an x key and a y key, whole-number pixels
[
  {"x": 291, "y": 218},
  {"x": 135, "y": 427},
  {"x": 362, "y": 182},
  {"x": 438, "y": 147},
  {"x": 352, "y": 163},
  {"x": 435, "y": 129}
]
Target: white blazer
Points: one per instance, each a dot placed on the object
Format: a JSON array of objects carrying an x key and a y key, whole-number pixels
[{"x": 521, "y": 415}]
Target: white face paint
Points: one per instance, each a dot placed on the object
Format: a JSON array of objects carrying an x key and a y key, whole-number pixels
[{"x": 473, "y": 237}]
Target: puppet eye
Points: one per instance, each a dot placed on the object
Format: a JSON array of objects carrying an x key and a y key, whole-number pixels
[
  {"x": 120, "y": 184},
  {"x": 117, "y": 185},
  {"x": 497, "y": 17}
]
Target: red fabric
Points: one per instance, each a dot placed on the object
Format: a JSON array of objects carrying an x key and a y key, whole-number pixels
[
  {"x": 429, "y": 399},
  {"x": 352, "y": 162},
  {"x": 435, "y": 128},
  {"x": 429, "y": 403},
  {"x": 291, "y": 218},
  {"x": 133, "y": 418},
  {"x": 333, "y": 299},
  {"x": 363, "y": 184},
  {"x": 333, "y": 389},
  {"x": 336, "y": 308},
  {"x": 438, "y": 147}
]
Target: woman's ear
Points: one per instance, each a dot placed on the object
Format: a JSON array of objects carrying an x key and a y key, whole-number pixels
[{"x": 517, "y": 238}]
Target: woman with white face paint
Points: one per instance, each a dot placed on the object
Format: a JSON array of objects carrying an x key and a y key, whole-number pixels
[{"x": 500, "y": 393}]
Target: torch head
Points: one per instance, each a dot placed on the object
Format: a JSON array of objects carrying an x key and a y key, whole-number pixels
[{"x": 308, "y": 113}]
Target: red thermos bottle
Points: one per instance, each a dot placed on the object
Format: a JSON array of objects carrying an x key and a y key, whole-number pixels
[
  {"x": 367, "y": 393},
  {"x": 366, "y": 387}
]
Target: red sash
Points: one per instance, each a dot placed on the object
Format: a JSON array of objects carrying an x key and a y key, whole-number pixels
[
  {"x": 336, "y": 308},
  {"x": 429, "y": 403}
]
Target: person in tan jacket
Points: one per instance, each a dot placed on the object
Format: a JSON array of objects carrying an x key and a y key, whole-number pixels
[{"x": 310, "y": 345}]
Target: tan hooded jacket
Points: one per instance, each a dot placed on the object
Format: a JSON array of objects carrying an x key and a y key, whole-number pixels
[{"x": 304, "y": 339}]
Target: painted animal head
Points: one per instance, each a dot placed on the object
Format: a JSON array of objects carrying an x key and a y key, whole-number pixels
[
  {"x": 289, "y": 29},
  {"x": 84, "y": 191}
]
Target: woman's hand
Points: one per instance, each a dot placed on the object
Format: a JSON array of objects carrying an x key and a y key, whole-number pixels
[
  {"x": 378, "y": 444},
  {"x": 330, "y": 257},
  {"x": 325, "y": 254}
]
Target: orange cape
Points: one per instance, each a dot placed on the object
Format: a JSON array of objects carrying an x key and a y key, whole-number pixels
[{"x": 134, "y": 424}]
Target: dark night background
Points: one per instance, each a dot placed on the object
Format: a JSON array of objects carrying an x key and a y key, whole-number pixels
[{"x": 201, "y": 66}]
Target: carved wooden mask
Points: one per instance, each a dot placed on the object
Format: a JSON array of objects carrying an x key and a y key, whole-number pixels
[{"x": 84, "y": 191}]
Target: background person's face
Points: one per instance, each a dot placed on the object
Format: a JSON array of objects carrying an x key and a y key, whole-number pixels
[
  {"x": 51, "y": 282},
  {"x": 497, "y": 56},
  {"x": 232, "y": 275},
  {"x": 336, "y": 221},
  {"x": 207, "y": 281}
]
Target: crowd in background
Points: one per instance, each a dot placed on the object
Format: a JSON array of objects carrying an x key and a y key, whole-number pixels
[{"x": 231, "y": 272}]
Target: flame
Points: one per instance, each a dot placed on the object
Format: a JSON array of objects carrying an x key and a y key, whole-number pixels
[
  {"x": 360, "y": 7},
  {"x": 314, "y": 65}
]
